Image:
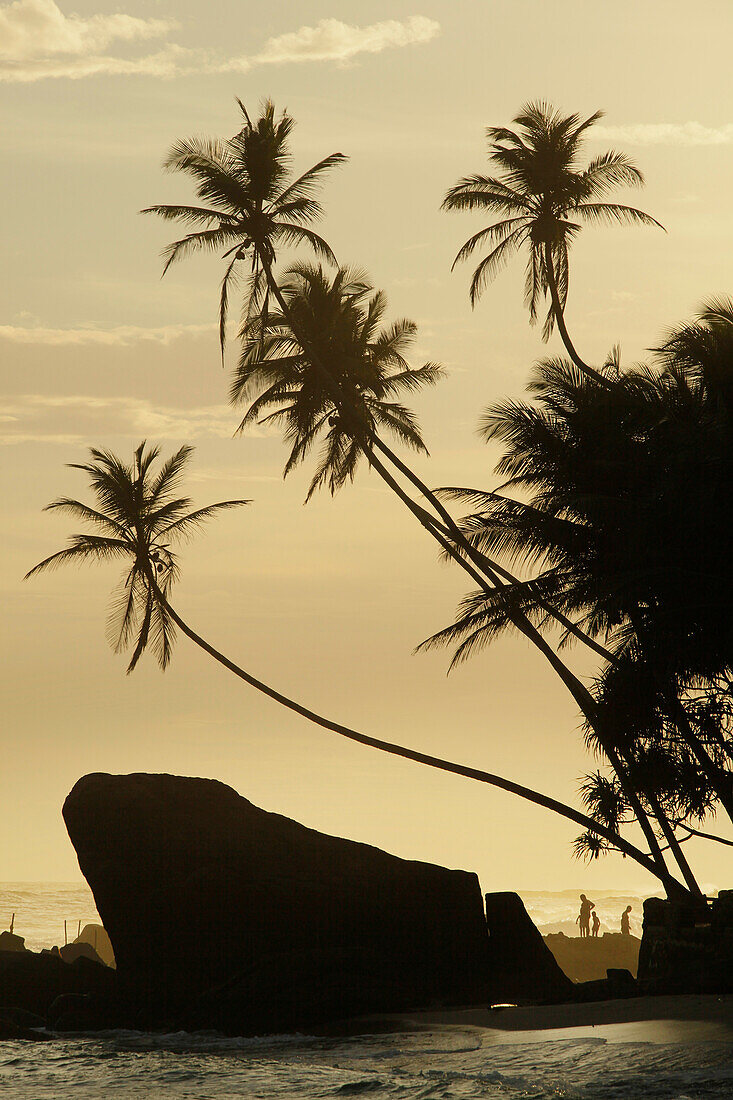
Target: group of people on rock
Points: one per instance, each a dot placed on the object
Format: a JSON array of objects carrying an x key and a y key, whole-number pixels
[{"x": 589, "y": 921}]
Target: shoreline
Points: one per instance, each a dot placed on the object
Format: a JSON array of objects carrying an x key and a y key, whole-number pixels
[{"x": 680, "y": 1019}]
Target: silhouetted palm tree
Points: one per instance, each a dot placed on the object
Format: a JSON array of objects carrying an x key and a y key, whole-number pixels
[
  {"x": 545, "y": 196},
  {"x": 253, "y": 205},
  {"x": 623, "y": 519},
  {"x": 439, "y": 523},
  {"x": 139, "y": 517},
  {"x": 340, "y": 320}
]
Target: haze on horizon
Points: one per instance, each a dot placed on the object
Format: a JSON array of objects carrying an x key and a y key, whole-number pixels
[{"x": 327, "y": 601}]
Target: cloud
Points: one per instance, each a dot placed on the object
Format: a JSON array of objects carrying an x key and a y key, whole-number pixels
[
  {"x": 121, "y": 336},
  {"x": 332, "y": 40},
  {"x": 37, "y": 41},
  {"x": 166, "y": 63},
  {"x": 83, "y": 420},
  {"x": 35, "y": 29},
  {"x": 666, "y": 133}
]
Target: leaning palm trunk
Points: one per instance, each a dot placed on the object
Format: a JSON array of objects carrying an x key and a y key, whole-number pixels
[
  {"x": 624, "y": 767},
  {"x": 672, "y": 886},
  {"x": 559, "y": 315},
  {"x": 490, "y": 582}
]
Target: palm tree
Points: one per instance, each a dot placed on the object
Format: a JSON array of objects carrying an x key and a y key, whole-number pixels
[
  {"x": 438, "y": 522},
  {"x": 275, "y": 370},
  {"x": 340, "y": 319},
  {"x": 139, "y": 517},
  {"x": 544, "y": 197},
  {"x": 253, "y": 204},
  {"x": 591, "y": 505},
  {"x": 252, "y": 209}
]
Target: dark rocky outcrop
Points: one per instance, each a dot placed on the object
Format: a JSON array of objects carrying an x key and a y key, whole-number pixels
[
  {"x": 522, "y": 969},
  {"x": 224, "y": 915},
  {"x": 588, "y": 958},
  {"x": 687, "y": 948},
  {"x": 32, "y": 981},
  {"x": 79, "y": 950},
  {"x": 10, "y": 1031}
]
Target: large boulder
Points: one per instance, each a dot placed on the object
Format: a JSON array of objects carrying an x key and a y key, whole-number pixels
[
  {"x": 222, "y": 914},
  {"x": 522, "y": 969}
]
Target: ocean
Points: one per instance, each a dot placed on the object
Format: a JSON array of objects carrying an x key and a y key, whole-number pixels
[
  {"x": 41, "y": 908},
  {"x": 684, "y": 1061}
]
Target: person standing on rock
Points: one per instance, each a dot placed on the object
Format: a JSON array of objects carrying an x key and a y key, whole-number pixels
[
  {"x": 596, "y": 924},
  {"x": 625, "y": 923},
  {"x": 583, "y": 918}
]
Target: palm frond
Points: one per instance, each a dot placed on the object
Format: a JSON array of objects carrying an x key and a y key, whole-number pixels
[
  {"x": 185, "y": 525},
  {"x": 82, "y": 548}
]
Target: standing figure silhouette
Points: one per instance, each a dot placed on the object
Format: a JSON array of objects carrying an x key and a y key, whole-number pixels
[{"x": 583, "y": 918}]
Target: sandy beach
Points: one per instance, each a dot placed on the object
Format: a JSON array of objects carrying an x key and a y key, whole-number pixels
[{"x": 635, "y": 1019}]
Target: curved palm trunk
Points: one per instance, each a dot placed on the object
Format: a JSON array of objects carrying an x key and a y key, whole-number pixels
[
  {"x": 674, "y": 845},
  {"x": 672, "y": 886},
  {"x": 481, "y": 560},
  {"x": 623, "y": 767},
  {"x": 562, "y": 328},
  {"x": 580, "y": 694}
]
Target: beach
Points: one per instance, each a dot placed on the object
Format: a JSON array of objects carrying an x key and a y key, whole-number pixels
[
  {"x": 678, "y": 1048},
  {"x": 638, "y": 1019},
  {"x": 669, "y": 1048}
]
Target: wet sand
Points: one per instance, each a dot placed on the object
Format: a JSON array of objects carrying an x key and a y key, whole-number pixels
[{"x": 636, "y": 1019}]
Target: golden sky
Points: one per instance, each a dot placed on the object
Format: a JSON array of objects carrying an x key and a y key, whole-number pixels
[{"x": 325, "y": 602}]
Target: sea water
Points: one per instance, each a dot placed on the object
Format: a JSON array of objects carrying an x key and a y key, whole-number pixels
[
  {"x": 41, "y": 908},
  {"x": 683, "y": 1061},
  {"x": 444, "y": 1063}
]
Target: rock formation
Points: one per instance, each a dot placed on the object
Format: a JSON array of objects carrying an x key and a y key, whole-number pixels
[
  {"x": 521, "y": 967},
  {"x": 33, "y": 981},
  {"x": 687, "y": 948},
  {"x": 224, "y": 915}
]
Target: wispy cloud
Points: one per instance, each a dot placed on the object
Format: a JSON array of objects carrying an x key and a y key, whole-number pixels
[
  {"x": 665, "y": 133},
  {"x": 81, "y": 419},
  {"x": 120, "y": 336},
  {"x": 331, "y": 40},
  {"x": 38, "y": 41}
]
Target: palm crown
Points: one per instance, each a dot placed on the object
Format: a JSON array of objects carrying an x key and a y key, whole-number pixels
[
  {"x": 137, "y": 516},
  {"x": 253, "y": 205},
  {"x": 338, "y": 319},
  {"x": 601, "y": 475},
  {"x": 545, "y": 196}
]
